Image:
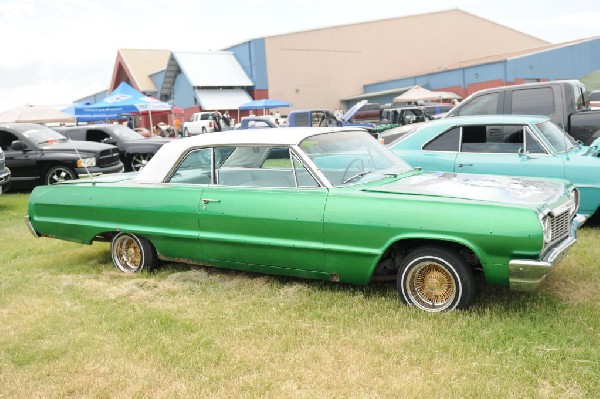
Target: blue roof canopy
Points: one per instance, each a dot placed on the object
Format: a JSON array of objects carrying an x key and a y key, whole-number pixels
[{"x": 124, "y": 99}]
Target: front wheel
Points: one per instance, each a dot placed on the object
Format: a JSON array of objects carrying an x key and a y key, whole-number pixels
[
  {"x": 57, "y": 174},
  {"x": 131, "y": 253},
  {"x": 186, "y": 132},
  {"x": 435, "y": 280},
  {"x": 139, "y": 161}
]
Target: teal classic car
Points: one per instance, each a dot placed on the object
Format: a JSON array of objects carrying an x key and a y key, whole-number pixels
[
  {"x": 324, "y": 203},
  {"x": 504, "y": 145}
]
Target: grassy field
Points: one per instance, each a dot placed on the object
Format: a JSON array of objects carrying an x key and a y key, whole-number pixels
[{"x": 72, "y": 326}]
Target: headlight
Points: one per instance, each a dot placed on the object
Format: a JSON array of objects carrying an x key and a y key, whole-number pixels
[
  {"x": 86, "y": 162},
  {"x": 547, "y": 226}
]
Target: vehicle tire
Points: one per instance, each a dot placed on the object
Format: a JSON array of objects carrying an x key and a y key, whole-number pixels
[
  {"x": 5, "y": 188},
  {"x": 139, "y": 161},
  {"x": 60, "y": 173},
  {"x": 131, "y": 253},
  {"x": 186, "y": 133},
  {"x": 204, "y": 130},
  {"x": 435, "y": 279}
]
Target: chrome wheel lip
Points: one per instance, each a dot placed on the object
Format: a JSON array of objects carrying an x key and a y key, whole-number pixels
[
  {"x": 123, "y": 249},
  {"x": 416, "y": 298}
]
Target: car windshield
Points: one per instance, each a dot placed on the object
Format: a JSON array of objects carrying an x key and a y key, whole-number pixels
[
  {"x": 558, "y": 139},
  {"x": 125, "y": 134},
  {"x": 43, "y": 135},
  {"x": 351, "y": 157}
]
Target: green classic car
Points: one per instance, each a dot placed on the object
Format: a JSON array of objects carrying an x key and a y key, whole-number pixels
[{"x": 323, "y": 203}]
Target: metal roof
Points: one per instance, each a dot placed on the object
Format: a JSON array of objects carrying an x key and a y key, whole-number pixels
[
  {"x": 142, "y": 63},
  {"x": 216, "y": 99},
  {"x": 212, "y": 69}
]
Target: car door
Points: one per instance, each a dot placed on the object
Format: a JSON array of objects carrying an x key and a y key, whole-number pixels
[
  {"x": 261, "y": 212},
  {"x": 437, "y": 154},
  {"x": 21, "y": 162},
  {"x": 505, "y": 150}
]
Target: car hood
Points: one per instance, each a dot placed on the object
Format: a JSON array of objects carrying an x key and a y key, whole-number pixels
[
  {"x": 153, "y": 140},
  {"x": 84, "y": 146},
  {"x": 500, "y": 189}
]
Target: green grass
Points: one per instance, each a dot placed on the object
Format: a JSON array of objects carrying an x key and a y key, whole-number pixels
[{"x": 72, "y": 326}]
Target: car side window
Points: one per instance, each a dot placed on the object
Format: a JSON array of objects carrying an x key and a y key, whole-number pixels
[
  {"x": 486, "y": 104},
  {"x": 447, "y": 141},
  {"x": 303, "y": 177},
  {"x": 538, "y": 101},
  {"x": 6, "y": 139},
  {"x": 532, "y": 146},
  {"x": 257, "y": 166},
  {"x": 195, "y": 168},
  {"x": 496, "y": 139}
]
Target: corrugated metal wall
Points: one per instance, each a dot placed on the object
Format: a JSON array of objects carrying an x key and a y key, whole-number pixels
[
  {"x": 251, "y": 56},
  {"x": 317, "y": 68}
]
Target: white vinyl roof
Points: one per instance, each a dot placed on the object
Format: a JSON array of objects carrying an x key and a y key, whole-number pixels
[
  {"x": 216, "y": 99},
  {"x": 159, "y": 166},
  {"x": 212, "y": 69}
]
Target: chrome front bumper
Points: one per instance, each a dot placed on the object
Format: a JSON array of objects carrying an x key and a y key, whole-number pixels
[
  {"x": 30, "y": 227},
  {"x": 527, "y": 275}
]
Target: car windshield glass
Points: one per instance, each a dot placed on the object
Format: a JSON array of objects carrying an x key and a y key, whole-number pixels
[
  {"x": 557, "y": 138},
  {"x": 351, "y": 157},
  {"x": 124, "y": 133},
  {"x": 43, "y": 135}
]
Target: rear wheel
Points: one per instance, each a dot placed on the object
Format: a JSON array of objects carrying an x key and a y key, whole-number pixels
[
  {"x": 204, "y": 130},
  {"x": 57, "y": 174},
  {"x": 186, "y": 132},
  {"x": 139, "y": 161},
  {"x": 435, "y": 279},
  {"x": 131, "y": 253}
]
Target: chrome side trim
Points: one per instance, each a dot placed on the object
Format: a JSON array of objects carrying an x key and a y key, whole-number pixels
[{"x": 30, "y": 227}]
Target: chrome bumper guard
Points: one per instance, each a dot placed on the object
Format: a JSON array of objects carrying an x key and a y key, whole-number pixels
[
  {"x": 30, "y": 227},
  {"x": 527, "y": 275}
]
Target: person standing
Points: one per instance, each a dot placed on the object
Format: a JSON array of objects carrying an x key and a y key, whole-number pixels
[
  {"x": 217, "y": 120},
  {"x": 227, "y": 120}
]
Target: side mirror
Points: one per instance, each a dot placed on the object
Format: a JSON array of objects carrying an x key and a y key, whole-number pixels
[
  {"x": 109, "y": 140},
  {"x": 18, "y": 145}
]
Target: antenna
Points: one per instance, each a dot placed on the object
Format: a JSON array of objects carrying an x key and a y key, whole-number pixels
[{"x": 90, "y": 176}]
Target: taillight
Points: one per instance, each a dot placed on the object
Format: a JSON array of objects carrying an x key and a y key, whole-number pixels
[{"x": 210, "y": 124}]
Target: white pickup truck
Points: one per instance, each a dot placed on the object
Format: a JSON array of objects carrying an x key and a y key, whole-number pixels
[{"x": 200, "y": 122}]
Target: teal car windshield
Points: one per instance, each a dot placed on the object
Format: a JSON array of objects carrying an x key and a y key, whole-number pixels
[
  {"x": 347, "y": 158},
  {"x": 558, "y": 139}
]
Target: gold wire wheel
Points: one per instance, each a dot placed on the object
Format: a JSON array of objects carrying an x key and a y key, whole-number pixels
[
  {"x": 127, "y": 253},
  {"x": 431, "y": 285}
]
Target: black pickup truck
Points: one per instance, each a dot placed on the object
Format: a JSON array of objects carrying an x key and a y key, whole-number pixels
[{"x": 565, "y": 101}]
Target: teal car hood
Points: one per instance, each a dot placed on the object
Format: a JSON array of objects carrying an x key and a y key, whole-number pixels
[{"x": 499, "y": 189}]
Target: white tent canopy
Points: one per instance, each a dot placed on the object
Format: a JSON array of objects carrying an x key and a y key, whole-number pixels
[
  {"x": 34, "y": 114},
  {"x": 418, "y": 93}
]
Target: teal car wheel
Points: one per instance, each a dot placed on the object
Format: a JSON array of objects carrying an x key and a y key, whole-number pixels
[
  {"x": 435, "y": 280},
  {"x": 131, "y": 253}
]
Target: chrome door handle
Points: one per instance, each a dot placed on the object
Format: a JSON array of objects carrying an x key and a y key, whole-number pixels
[
  {"x": 207, "y": 200},
  {"x": 460, "y": 165}
]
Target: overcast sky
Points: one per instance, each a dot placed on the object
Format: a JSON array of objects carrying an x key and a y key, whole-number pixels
[{"x": 55, "y": 51}]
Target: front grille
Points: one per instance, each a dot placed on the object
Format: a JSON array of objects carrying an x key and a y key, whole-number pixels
[
  {"x": 560, "y": 226},
  {"x": 108, "y": 157}
]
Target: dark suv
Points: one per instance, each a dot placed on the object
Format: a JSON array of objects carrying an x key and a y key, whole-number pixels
[
  {"x": 36, "y": 155},
  {"x": 134, "y": 149}
]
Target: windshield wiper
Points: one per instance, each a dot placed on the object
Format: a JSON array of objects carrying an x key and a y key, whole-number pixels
[{"x": 356, "y": 176}]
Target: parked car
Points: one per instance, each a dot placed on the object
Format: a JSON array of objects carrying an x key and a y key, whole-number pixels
[
  {"x": 324, "y": 203},
  {"x": 369, "y": 112},
  {"x": 199, "y": 123},
  {"x": 4, "y": 174},
  {"x": 36, "y": 155},
  {"x": 134, "y": 149},
  {"x": 507, "y": 145},
  {"x": 595, "y": 99},
  {"x": 565, "y": 101},
  {"x": 256, "y": 122},
  {"x": 325, "y": 118},
  {"x": 436, "y": 111}
]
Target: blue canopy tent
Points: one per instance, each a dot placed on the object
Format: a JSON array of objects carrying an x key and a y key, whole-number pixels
[
  {"x": 123, "y": 100},
  {"x": 81, "y": 116}
]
